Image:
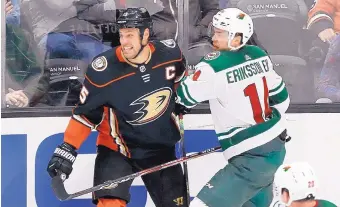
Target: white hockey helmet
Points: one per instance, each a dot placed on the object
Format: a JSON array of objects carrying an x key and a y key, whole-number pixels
[
  {"x": 298, "y": 178},
  {"x": 234, "y": 21}
]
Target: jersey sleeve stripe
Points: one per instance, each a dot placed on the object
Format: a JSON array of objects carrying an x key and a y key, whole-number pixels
[
  {"x": 83, "y": 120},
  {"x": 179, "y": 78},
  {"x": 105, "y": 136},
  {"x": 279, "y": 97},
  {"x": 182, "y": 99},
  {"x": 283, "y": 86},
  {"x": 108, "y": 83},
  {"x": 118, "y": 139},
  {"x": 187, "y": 93},
  {"x": 230, "y": 133},
  {"x": 276, "y": 88},
  {"x": 174, "y": 119},
  {"x": 317, "y": 18},
  {"x": 282, "y": 107}
]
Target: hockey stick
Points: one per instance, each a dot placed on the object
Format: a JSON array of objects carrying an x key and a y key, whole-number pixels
[
  {"x": 60, "y": 191},
  {"x": 183, "y": 154}
]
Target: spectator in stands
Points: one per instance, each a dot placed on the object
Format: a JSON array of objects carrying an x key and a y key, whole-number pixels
[
  {"x": 68, "y": 35},
  {"x": 310, "y": 3},
  {"x": 68, "y": 28},
  {"x": 254, "y": 39},
  {"x": 324, "y": 20},
  {"x": 12, "y": 13},
  {"x": 223, "y": 4},
  {"x": 200, "y": 16},
  {"x": 110, "y": 32},
  {"x": 285, "y": 18},
  {"x": 328, "y": 83},
  {"x": 23, "y": 76}
]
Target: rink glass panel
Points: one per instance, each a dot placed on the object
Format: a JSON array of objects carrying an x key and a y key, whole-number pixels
[{"x": 48, "y": 45}]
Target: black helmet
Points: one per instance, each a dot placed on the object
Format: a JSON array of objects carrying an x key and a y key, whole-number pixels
[{"x": 135, "y": 18}]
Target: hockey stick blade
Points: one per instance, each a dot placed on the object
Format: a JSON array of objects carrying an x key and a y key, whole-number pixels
[
  {"x": 61, "y": 193},
  {"x": 59, "y": 188}
]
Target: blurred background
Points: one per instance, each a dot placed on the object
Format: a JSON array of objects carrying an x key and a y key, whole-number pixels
[{"x": 48, "y": 43}]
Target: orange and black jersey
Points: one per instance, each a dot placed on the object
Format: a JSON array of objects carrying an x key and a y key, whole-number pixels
[
  {"x": 324, "y": 14},
  {"x": 130, "y": 105}
]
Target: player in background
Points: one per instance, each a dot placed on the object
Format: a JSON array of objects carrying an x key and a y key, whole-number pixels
[
  {"x": 248, "y": 101},
  {"x": 296, "y": 185},
  {"x": 129, "y": 98},
  {"x": 324, "y": 19}
]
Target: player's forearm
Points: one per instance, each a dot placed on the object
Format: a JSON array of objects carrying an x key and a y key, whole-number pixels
[
  {"x": 283, "y": 106},
  {"x": 184, "y": 97},
  {"x": 319, "y": 25},
  {"x": 279, "y": 98},
  {"x": 76, "y": 133}
]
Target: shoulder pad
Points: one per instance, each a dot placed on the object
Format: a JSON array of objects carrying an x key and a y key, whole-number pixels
[
  {"x": 167, "y": 50},
  {"x": 104, "y": 69},
  {"x": 255, "y": 51},
  {"x": 254, "y": 48}
]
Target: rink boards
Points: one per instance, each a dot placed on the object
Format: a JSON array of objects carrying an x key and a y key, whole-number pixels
[{"x": 27, "y": 144}]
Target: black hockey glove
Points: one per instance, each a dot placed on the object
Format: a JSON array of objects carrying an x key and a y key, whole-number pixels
[
  {"x": 284, "y": 136},
  {"x": 180, "y": 109},
  {"x": 62, "y": 160}
]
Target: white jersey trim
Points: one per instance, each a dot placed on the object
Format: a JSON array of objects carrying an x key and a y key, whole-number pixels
[
  {"x": 278, "y": 91},
  {"x": 231, "y": 134},
  {"x": 256, "y": 141},
  {"x": 318, "y": 16},
  {"x": 83, "y": 121}
]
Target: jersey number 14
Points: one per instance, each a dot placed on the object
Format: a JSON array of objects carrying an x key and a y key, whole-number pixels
[{"x": 251, "y": 92}]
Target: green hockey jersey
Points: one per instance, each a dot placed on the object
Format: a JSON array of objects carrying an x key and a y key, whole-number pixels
[
  {"x": 324, "y": 203},
  {"x": 246, "y": 97}
]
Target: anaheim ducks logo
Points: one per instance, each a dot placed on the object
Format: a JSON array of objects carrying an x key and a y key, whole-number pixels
[{"x": 154, "y": 104}]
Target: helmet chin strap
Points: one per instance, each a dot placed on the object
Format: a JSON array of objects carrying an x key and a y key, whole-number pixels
[
  {"x": 290, "y": 201},
  {"x": 140, "y": 50}
]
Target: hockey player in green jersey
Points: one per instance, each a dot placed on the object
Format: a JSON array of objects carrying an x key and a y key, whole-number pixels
[
  {"x": 248, "y": 101},
  {"x": 296, "y": 185}
]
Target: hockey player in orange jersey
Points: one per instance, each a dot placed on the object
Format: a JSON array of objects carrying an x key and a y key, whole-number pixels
[{"x": 324, "y": 19}]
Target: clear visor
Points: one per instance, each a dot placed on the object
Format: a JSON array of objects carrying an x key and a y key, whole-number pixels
[{"x": 213, "y": 30}]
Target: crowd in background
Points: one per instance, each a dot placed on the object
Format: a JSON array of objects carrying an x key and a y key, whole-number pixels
[{"x": 50, "y": 43}]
